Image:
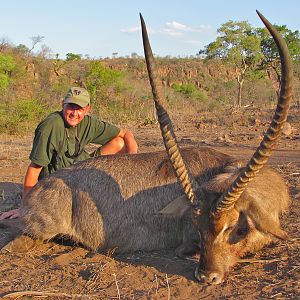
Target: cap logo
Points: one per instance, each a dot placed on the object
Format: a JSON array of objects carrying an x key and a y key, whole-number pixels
[{"x": 76, "y": 92}]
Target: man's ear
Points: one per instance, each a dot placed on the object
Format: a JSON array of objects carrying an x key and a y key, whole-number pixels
[{"x": 88, "y": 109}]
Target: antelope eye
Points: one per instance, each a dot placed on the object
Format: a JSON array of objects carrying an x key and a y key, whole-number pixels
[
  {"x": 228, "y": 229},
  {"x": 197, "y": 211},
  {"x": 242, "y": 231}
]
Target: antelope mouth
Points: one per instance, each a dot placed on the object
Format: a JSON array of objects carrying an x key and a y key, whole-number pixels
[{"x": 212, "y": 278}]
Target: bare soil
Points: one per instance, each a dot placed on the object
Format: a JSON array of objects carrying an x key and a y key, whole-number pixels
[{"x": 62, "y": 270}]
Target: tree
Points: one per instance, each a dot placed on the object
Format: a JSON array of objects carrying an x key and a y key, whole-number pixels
[
  {"x": 21, "y": 48},
  {"x": 100, "y": 81},
  {"x": 35, "y": 40},
  {"x": 72, "y": 56},
  {"x": 7, "y": 65},
  {"x": 271, "y": 60},
  {"x": 5, "y": 44},
  {"x": 238, "y": 45}
]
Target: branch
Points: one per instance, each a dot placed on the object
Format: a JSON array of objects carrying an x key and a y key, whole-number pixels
[{"x": 46, "y": 294}]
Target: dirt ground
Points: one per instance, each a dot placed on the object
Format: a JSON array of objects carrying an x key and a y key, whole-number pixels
[{"x": 60, "y": 271}]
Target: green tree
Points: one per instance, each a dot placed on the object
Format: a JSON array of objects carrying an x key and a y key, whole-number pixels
[
  {"x": 72, "y": 56},
  {"x": 101, "y": 80},
  {"x": 21, "y": 48},
  {"x": 271, "y": 60},
  {"x": 7, "y": 65},
  {"x": 238, "y": 45}
]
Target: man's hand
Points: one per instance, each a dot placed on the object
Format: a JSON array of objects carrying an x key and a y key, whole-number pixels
[{"x": 11, "y": 214}]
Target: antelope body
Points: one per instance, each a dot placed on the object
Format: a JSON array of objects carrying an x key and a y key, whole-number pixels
[
  {"x": 132, "y": 202},
  {"x": 115, "y": 201}
]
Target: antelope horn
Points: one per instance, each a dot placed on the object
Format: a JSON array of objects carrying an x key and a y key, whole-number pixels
[
  {"x": 263, "y": 152},
  {"x": 187, "y": 183}
]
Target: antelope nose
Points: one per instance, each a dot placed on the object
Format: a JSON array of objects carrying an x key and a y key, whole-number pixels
[
  {"x": 210, "y": 278},
  {"x": 214, "y": 278}
]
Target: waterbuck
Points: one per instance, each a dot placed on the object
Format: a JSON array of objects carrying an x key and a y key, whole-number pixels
[
  {"x": 237, "y": 211},
  {"x": 133, "y": 202}
]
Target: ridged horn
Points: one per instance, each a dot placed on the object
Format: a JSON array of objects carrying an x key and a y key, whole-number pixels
[
  {"x": 263, "y": 152},
  {"x": 187, "y": 183}
]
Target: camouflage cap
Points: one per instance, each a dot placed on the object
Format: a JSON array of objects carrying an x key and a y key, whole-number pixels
[{"x": 77, "y": 95}]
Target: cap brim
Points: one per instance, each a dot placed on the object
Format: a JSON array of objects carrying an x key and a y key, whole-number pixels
[{"x": 78, "y": 102}]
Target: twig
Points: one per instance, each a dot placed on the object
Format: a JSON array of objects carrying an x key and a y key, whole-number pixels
[
  {"x": 156, "y": 290},
  {"x": 115, "y": 276},
  {"x": 253, "y": 260},
  {"x": 292, "y": 174},
  {"x": 275, "y": 295},
  {"x": 169, "y": 292},
  {"x": 47, "y": 294},
  {"x": 293, "y": 269}
]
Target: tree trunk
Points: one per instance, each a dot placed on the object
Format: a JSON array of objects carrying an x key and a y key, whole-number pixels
[{"x": 239, "y": 100}]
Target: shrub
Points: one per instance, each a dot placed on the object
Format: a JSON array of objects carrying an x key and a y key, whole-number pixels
[
  {"x": 7, "y": 65},
  {"x": 21, "y": 116},
  {"x": 191, "y": 91},
  {"x": 4, "y": 82}
]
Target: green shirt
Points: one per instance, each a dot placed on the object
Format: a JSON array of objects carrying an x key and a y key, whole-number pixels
[{"x": 57, "y": 145}]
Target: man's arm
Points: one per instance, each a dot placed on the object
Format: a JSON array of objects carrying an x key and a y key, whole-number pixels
[
  {"x": 31, "y": 177},
  {"x": 124, "y": 142}
]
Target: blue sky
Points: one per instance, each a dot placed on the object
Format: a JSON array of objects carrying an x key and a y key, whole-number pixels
[{"x": 99, "y": 28}]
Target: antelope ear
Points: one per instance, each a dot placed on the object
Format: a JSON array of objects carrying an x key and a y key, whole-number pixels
[
  {"x": 266, "y": 223},
  {"x": 176, "y": 208}
]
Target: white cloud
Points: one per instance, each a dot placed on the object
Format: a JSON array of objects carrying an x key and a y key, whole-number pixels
[
  {"x": 178, "y": 29},
  {"x": 172, "y": 32},
  {"x": 177, "y": 26},
  {"x": 194, "y": 42},
  {"x": 131, "y": 30},
  {"x": 134, "y": 30}
]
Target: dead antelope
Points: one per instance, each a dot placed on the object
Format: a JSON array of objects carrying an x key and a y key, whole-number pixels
[
  {"x": 133, "y": 202},
  {"x": 236, "y": 212}
]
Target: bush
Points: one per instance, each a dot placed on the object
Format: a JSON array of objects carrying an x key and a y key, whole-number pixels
[
  {"x": 99, "y": 78},
  {"x": 4, "y": 82},
  {"x": 21, "y": 116},
  {"x": 191, "y": 91},
  {"x": 7, "y": 65}
]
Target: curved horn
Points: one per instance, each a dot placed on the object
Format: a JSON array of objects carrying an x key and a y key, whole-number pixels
[
  {"x": 166, "y": 127},
  {"x": 263, "y": 152}
]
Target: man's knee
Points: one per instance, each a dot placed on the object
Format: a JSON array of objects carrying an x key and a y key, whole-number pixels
[
  {"x": 117, "y": 144},
  {"x": 114, "y": 146}
]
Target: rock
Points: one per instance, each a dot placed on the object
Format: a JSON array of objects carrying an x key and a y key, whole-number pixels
[
  {"x": 253, "y": 121},
  {"x": 287, "y": 129}
]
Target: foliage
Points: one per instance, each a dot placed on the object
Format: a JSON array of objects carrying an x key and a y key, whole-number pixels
[
  {"x": 237, "y": 44},
  {"x": 7, "y": 65},
  {"x": 4, "y": 82},
  {"x": 191, "y": 91},
  {"x": 72, "y": 56},
  {"x": 32, "y": 85},
  {"x": 271, "y": 59},
  {"x": 99, "y": 79},
  {"x": 19, "y": 116},
  {"x": 21, "y": 48},
  {"x": 268, "y": 45}
]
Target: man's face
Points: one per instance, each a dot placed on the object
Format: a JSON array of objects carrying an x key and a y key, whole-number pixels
[{"x": 74, "y": 114}]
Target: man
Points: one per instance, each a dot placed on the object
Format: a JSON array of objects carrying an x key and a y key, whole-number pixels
[{"x": 60, "y": 139}]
